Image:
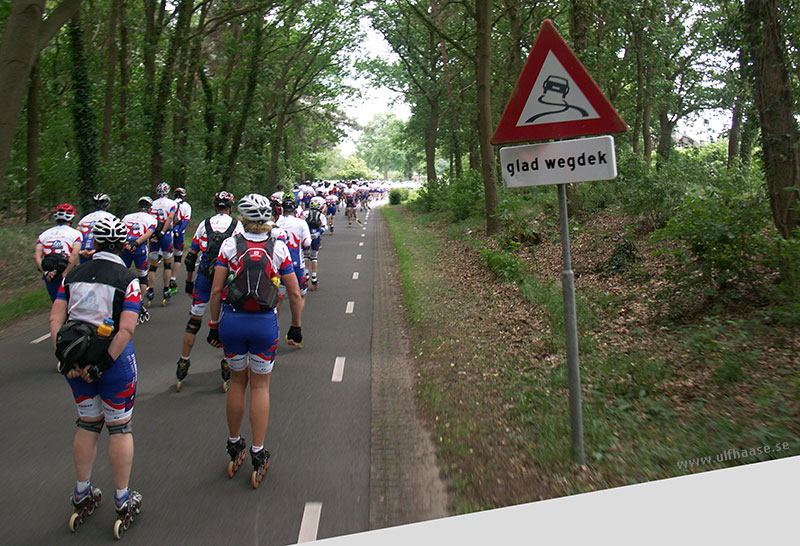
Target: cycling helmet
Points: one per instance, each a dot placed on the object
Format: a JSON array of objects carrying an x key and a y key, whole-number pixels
[
  {"x": 101, "y": 200},
  {"x": 145, "y": 202},
  {"x": 255, "y": 207},
  {"x": 224, "y": 199},
  {"x": 179, "y": 193},
  {"x": 162, "y": 189},
  {"x": 315, "y": 205},
  {"x": 109, "y": 230},
  {"x": 289, "y": 203},
  {"x": 65, "y": 212}
]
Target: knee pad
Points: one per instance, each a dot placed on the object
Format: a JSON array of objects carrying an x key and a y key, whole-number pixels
[
  {"x": 193, "y": 326},
  {"x": 153, "y": 268},
  {"x": 95, "y": 426},
  {"x": 177, "y": 257},
  {"x": 121, "y": 429},
  {"x": 167, "y": 266}
]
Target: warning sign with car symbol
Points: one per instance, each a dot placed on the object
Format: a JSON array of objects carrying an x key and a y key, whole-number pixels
[{"x": 555, "y": 97}]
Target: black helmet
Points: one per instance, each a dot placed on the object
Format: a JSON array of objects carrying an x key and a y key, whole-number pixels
[
  {"x": 289, "y": 203},
  {"x": 145, "y": 202},
  {"x": 101, "y": 200}
]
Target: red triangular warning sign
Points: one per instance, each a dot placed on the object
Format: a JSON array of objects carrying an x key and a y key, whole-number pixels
[{"x": 555, "y": 97}]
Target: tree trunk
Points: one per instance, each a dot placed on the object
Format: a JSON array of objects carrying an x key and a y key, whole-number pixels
[
  {"x": 735, "y": 134},
  {"x": 85, "y": 133},
  {"x": 208, "y": 114},
  {"x": 275, "y": 149},
  {"x": 32, "y": 190},
  {"x": 775, "y": 102},
  {"x": 483, "y": 10},
  {"x": 247, "y": 103},
  {"x": 124, "y": 77},
  {"x": 749, "y": 134},
  {"x": 666, "y": 127},
  {"x": 24, "y": 36},
  {"x": 430, "y": 140},
  {"x": 111, "y": 60}
]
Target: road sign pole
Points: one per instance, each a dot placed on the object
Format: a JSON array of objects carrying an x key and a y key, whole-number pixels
[{"x": 571, "y": 329}]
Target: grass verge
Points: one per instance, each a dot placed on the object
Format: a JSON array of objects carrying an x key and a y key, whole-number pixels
[{"x": 658, "y": 401}]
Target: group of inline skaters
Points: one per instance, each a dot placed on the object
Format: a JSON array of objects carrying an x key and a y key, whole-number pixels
[{"x": 240, "y": 269}]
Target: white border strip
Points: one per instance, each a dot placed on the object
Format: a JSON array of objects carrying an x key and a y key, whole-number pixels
[
  {"x": 310, "y": 524},
  {"x": 40, "y": 339},
  {"x": 338, "y": 370}
]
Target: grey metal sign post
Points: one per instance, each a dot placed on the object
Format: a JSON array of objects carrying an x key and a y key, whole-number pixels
[{"x": 571, "y": 330}]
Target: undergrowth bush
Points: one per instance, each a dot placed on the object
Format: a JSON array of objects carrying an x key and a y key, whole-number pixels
[{"x": 398, "y": 195}]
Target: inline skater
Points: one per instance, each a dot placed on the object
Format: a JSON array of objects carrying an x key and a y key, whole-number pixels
[
  {"x": 164, "y": 210},
  {"x": 141, "y": 226},
  {"x": 207, "y": 240},
  {"x": 331, "y": 203},
  {"x": 298, "y": 240},
  {"x": 57, "y": 249},
  {"x": 246, "y": 324},
  {"x": 317, "y": 225},
  {"x": 101, "y": 203},
  {"x": 92, "y": 323},
  {"x": 182, "y": 217},
  {"x": 350, "y": 209}
]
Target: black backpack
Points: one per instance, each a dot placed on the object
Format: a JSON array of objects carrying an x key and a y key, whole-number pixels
[
  {"x": 252, "y": 283},
  {"x": 214, "y": 239},
  {"x": 313, "y": 219}
]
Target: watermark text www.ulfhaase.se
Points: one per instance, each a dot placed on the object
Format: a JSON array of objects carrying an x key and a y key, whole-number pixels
[{"x": 734, "y": 454}]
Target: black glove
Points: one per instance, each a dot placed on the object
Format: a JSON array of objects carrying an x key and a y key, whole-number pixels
[
  {"x": 189, "y": 287},
  {"x": 213, "y": 335},
  {"x": 96, "y": 370},
  {"x": 294, "y": 334}
]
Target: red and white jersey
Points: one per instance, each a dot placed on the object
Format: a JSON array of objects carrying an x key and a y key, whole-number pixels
[
  {"x": 320, "y": 200},
  {"x": 277, "y": 196},
  {"x": 85, "y": 224},
  {"x": 138, "y": 223},
  {"x": 219, "y": 222},
  {"x": 297, "y": 232},
  {"x": 161, "y": 209},
  {"x": 281, "y": 260},
  {"x": 184, "y": 211},
  {"x": 59, "y": 240}
]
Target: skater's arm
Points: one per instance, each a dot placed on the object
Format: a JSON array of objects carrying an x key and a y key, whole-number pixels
[
  {"x": 295, "y": 300},
  {"x": 215, "y": 301},
  {"x": 127, "y": 324},
  {"x": 58, "y": 316}
]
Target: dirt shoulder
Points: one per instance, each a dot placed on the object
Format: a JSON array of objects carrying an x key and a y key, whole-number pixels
[{"x": 405, "y": 486}]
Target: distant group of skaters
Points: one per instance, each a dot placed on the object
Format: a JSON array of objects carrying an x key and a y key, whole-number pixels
[{"x": 240, "y": 268}]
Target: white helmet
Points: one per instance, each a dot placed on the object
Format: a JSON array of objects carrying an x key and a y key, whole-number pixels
[
  {"x": 109, "y": 230},
  {"x": 255, "y": 207},
  {"x": 162, "y": 189}
]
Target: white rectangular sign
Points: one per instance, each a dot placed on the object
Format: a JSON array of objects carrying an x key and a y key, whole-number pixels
[{"x": 579, "y": 160}]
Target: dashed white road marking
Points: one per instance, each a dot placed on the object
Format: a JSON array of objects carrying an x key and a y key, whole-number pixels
[
  {"x": 40, "y": 339},
  {"x": 349, "y": 309},
  {"x": 310, "y": 523},
  {"x": 364, "y": 228},
  {"x": 355, "y": 276},
  {"x": 358, "y": 256},
  {"x": 363, "y": 234},
  {"x": 338, "y": 370},
  {"x": 361, "y": 244}
]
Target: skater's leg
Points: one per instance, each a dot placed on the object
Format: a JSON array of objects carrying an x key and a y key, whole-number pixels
[
  {"x": 84, "y": 450},
  {"x": 259, "y": 406},
  {"x": 120, "y": 452},
  {"x": 235, "y": 401},
  {"x": 189, "y": 336},
  {"x": 167, "y": 271}
]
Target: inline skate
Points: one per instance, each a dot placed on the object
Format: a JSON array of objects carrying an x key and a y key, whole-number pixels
[
  {"x": 84, "y": 507},
  {"x": 260, "y": 465},
  {"x": 236, "y": 452},
  {"x": 125, "y": 513}
]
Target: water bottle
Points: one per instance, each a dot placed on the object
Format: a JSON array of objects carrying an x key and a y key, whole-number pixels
[{"x": 106, "y": 328}]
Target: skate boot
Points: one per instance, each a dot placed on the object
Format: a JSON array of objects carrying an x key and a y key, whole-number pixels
[
  {"x": 150, "y": 294},
  {"x": 173, "y": 287},
  {"x": 314, "y": 283},
  {"x": 260, "y": 464},
  {"x": 181, "y": 372},
  {"x": 84, "y": 506},
  {"x": 236, "y": 453},
  {"x": 165, "y": 297},
  {"x": 294, "y": 337},
  {"x": 331, "y": 230},
  {"x": 126, "y": 512},
  {"x": 225, "y": 371}
]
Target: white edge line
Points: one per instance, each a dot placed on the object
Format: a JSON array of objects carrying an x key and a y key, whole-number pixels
[
  {"x": 310, "y": 523},
  {"x": 338, "y": 370},
  {"x": 40, "y": 339}
]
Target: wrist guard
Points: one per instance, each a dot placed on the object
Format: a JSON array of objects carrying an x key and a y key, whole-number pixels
[
  {"x": 213, "y": 334},
  {"x": 189, "y": 288},
  {"x": 190, "y": 261}
]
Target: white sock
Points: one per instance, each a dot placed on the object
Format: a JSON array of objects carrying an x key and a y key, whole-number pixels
[
  {"x": 256, "y": 449},
  {"x": 81, "y": 487},
  {"x": 234, "y": 440},
  {"x": 121, "y": 494}
]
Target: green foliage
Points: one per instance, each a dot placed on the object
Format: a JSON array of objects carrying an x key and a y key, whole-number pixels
[
  {"x": 720, "y": 230},
  {"x": 653, "y": 194},
  {"x": 354, "y": 167},
  {"x": 464, "y": 196},
  {"x": 503, "y": 264},
  {"x": 398, "y": 195}
]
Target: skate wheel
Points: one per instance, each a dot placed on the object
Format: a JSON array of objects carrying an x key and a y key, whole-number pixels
[
  {"x": 224, "y": 386},
  {"x": 119, "y": 528},
  {"x": 231, "y": 469},
  {"x": 149, "y": 303},
  {"x": 163, "y": 303},
  {"x": 255, "y": 479},
  {"x": 74, "y": 522},
  {"x": 178, "y": 386}
]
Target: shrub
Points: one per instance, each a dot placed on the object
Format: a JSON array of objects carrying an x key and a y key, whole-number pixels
[
  {"x": 398, "y": 195},
  {"x": 464, "y": 196}
]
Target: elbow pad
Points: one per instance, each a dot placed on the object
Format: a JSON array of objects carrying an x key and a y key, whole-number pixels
[{"x": 190, "y": 261}]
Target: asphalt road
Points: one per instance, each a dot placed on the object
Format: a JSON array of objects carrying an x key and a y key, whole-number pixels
[{"x": 317, "y": 485}]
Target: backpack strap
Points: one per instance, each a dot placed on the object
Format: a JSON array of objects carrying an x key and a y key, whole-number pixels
[{"x": 231, "y": 227}]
